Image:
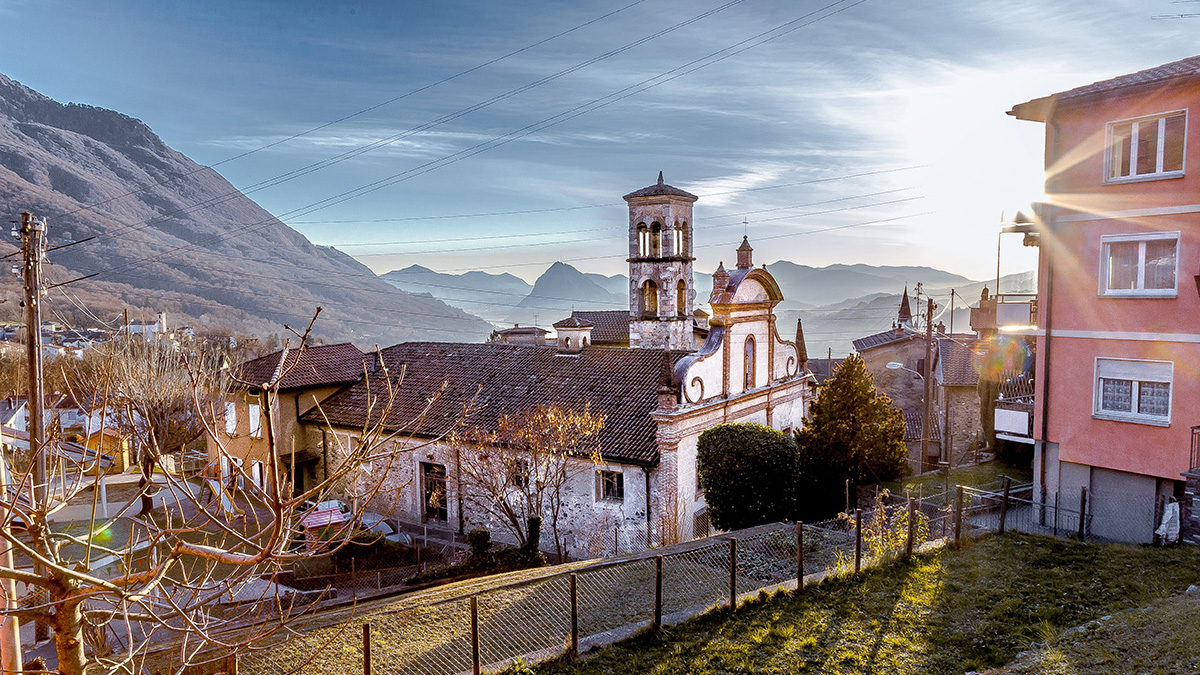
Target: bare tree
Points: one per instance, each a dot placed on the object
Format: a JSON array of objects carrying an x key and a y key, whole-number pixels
[
  {"x": 191, "y": 575},
  {"x": 522, "y": 469}
]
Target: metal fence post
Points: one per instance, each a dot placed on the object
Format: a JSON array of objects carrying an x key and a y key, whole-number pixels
[
  {"x": 366, "y": 648},
  {"x": 912, "y": 518},
  {"x": 857, "y": 540},
  {"x": 1082, "y": 510},
  {"x": 574, "y": 618},
  {"x": 658, "y": 562},
  {"x": 1056, "y": 513},
  {"x": 799, "y": 555},
  {"x": 958, "y": 509},
  {"x": 474, "y": 635},
  {"x": 733, "y": 573},
  {"x": 1004, "y": 504}
]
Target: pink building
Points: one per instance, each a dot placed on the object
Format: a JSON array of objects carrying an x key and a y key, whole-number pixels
[{"x": 1118, "y": 345}]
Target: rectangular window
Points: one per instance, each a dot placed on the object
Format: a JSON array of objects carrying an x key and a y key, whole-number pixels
[
  {"x": 518, "y": 472},
  {"x": 1144, "y": 265},
  {"x": 230, "y": 418},
  {"x": 257, "y": 474},
  {"x": 255, "y": 415},
  {"x": 433, "y": 489},
  {"x": 1127, "y": 390},
  {"x": 610, "y": 486},
  {"x": 1146, "y": 148}
]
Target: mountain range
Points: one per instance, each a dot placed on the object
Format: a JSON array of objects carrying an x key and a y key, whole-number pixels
[{"x": 158, "y": 232}]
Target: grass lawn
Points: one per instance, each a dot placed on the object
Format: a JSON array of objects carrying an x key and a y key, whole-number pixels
[
  {"x": 979, "y": 474},
  {"x": 1159, "y": 638},
  {"x": 943, "y": 612}
]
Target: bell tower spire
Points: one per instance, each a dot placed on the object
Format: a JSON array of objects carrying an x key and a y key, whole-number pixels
[{"x": 661, "y": 289}]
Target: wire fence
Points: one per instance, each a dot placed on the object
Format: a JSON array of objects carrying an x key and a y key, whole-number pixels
[
  {"x": 564, "y": 611},
  {"x": 488, "y": 624}
]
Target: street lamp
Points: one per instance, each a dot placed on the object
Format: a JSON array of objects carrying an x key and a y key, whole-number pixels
[{"x": 895, "y": 365}]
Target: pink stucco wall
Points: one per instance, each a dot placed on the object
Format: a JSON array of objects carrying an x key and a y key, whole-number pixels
[{"x": 1075, "y": 156}]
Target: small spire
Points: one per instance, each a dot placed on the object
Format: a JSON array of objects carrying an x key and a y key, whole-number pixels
[
  {"x": 905, "y": 316},
  {"x": 720, "y": 273},
  {"x": 744, "y": 255},
  {"x": 660, "y": 178}
]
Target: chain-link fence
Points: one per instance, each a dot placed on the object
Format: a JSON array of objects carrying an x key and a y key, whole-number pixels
[
  {"x": 488, "y": 623},
  {"x": 576, "y": 609}
]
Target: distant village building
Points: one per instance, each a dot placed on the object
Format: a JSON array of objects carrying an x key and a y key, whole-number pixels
[
  {"x": 955, "y": 425},
  {"x": 522, "y": 335},
  {"x": 657, "y": 387}
]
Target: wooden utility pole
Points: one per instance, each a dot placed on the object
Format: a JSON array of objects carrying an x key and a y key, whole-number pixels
[
  {"x": 33, "y": 249},
  {"x": 928, "y": 376}
]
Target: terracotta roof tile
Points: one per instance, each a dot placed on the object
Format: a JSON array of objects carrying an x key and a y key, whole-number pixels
[
  {"x": 885, "y": 338},
  {"x": 611, "y": 326},
  {"x": 318, "y": 366},
  {"x": 660, "y": 189},
  {"x": 505, "y": 379},
  {"x": 912, "y": 428},
  {"x": 957, "y": 361},
  {"x": 1183, "y": 68}
]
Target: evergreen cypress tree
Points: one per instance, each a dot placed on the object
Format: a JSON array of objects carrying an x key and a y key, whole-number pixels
[{"x": 852, "y": 432}]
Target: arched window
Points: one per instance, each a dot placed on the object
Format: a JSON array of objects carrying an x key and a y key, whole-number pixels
[
  {"x": 681, "y": 298},
  {"x": 656, "y": 240},
  {"x": 685, "y": 239},
  {"x": 649, "y": 297},
  {"x": 678, "y": 250},
  {"x": 643, "y": 234},
  {"x": 749, "y": 362}
]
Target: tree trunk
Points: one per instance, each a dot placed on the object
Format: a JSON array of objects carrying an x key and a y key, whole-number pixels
[
  {"x": 147, "y": 478},
  {"x": 68, "y": 638}
]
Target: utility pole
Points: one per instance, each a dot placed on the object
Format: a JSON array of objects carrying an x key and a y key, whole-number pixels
[
  {"x": 928, "y": 377},
  {"x": 33, "y": 249}
]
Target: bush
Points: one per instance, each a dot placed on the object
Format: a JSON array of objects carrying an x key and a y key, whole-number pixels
[{"x": 748, "y": 474}]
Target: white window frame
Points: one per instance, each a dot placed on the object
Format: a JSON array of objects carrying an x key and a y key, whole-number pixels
[
  {"x": 1136, "y": 371},
  {"x": 1135, "y": 123},
  {"x": 257, "y": 475},
  {"x": 231, "y": 418},
  {"x": 1141, "y": 291},
  {"x": 255, "y": 417}
]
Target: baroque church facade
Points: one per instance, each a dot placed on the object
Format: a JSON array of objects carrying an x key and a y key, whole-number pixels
[{"x": 678, "y": 376}]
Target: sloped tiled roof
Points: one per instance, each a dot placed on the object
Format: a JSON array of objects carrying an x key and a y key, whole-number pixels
[
  {"x": 573, "y": 321},
  {"x": 622, "y": 384},
  {"x": 318, "y": 366},
  {"x": 611, "y": 326},
  {"x": 1183, "y": 68},
  {"x": 956, "y": 361},
  {"x": 887, "y": 337},
  {"x": 912, "y": 428},
  {"x": 523, "y": 330},
  {"x": 822, "y": 369}
]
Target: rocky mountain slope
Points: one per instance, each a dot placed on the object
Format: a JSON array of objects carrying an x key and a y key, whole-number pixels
[
  {"x": 170, "y": 235},
  {"x": 560, "y": 289}
]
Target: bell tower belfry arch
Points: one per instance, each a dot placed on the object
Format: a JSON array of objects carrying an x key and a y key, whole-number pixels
[{"x": 661, "y": 290}]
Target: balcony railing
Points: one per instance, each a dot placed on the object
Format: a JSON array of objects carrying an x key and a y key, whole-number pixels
[{"x": 1195, "y": 448}]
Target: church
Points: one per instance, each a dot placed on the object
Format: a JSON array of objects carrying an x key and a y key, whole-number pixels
[{"x": 673, "y": 373}]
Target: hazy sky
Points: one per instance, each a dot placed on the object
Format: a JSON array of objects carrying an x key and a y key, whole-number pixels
[{"x": 865, "y": 131}]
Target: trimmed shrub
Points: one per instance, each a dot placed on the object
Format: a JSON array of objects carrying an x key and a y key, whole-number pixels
[{"x": 748, "y": 474}]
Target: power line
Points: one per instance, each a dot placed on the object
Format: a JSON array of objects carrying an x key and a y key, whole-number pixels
[
  {"x": 358, "y": 113},
  {"x": 522, "y": 212},
  {"x": 696, "y": 64},
  {"x": 461, "y": 112}
]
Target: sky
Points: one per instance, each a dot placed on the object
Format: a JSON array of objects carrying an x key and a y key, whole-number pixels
[{"x": 501, "y": 135}]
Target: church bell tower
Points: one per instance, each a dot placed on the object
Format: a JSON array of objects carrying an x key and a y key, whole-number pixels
[{"x": 661, "y": 292}]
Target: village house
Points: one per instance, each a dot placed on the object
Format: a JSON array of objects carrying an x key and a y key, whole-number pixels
[
  {"x": 657, "y": 394},
  {"x": 1118, "y": 342}
]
